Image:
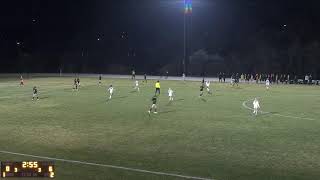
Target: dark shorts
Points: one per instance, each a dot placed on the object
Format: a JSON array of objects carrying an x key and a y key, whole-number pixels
[{"x": 158, "y": 90}]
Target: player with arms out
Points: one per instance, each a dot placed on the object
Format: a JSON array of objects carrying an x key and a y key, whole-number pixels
[
  {"x": 136, "y": 86},
  {"x": 170, "y": 94},
  {"x": 267, "y": 84},
  {"x": 154, "y": 105},
  {"x": 35, "y": 93},
  {"x": 256, "y": 106},
  {"x": 110, "y": 90}
]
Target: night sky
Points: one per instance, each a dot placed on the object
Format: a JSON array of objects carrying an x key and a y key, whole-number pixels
[{"x": 278, "y": 36}]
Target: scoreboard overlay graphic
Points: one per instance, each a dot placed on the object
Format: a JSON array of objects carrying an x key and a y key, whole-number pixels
[{"x": 27, "y": 169}]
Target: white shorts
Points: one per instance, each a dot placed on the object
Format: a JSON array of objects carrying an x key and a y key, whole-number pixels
[{"x": 34, "y": 95}]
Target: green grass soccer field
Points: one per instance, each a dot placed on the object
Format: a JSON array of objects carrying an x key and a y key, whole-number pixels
[{"x": 214, "y": 137}]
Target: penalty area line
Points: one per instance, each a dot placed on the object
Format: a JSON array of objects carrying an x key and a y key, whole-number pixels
[
  {"x": 107, "y": 165},
  {"x": 244, "y": 104}
]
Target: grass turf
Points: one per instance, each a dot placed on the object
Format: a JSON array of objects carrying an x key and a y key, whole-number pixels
[{"x": 211, "y": 137}]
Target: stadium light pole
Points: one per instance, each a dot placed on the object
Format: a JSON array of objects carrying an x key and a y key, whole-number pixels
[{"x": 187, "y": 11}]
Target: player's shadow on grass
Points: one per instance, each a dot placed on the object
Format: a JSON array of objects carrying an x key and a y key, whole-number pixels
[
  {"x": 133, "y": 91},
  {"x": 44, "y": 97},
  {"x": 180, "y": 100},
  {"x": 204, "y": 100}
]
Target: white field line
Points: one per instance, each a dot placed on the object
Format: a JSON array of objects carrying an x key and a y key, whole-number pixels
[
  {"x": 244, "y": 104},
  {"x": 108, "y": 166}
]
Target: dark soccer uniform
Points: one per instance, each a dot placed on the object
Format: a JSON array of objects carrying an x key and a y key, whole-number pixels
[
  {"x": 154, "y": 100},
  {"x": 201, "y": 89},
  {"x": 35, "y": 93},
  {"x": 153, "y": 106}
]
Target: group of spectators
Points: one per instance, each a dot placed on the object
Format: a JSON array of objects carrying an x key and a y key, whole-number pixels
[{"x": 273, "y": 78}]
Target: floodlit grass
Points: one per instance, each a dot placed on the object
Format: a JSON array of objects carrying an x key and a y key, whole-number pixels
[{"x": 210, "y": 137}]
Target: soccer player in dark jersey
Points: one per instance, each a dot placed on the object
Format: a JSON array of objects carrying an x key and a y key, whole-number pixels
[
  {"x": 75, "y": 84},
  {"x": 154, "y": 105},
  {"x": 201, "y": 90},
  {"x": 100, "y": 77},
  {"x": 35, "y": 93},
  {"x": 237, "y": 79},
  {"x": 145, "y": 77}
]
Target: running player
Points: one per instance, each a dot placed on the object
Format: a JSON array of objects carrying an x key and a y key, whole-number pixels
[
  {"x": 136, "y": 87},
  {"x": 183, "y": 76},
  {"x": 267, "y": 84},
  {"x": 154, "y": 105},
  {"x": 157, "y": 85},
  {"x": 21, "y": 81},
  {"x": 35, "y": 93},
  {"x": 170, "y": 94},
  {"x": 208, "y": 87},
  {"x": 110, "y": 89},
  {"x": 201, "y": 90},
  {"x": 256, "y": 106}
]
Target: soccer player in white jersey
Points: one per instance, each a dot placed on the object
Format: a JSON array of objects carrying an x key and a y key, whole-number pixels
[
  {"x": 267, "y": 84},
  {"x": 256, "y": 106},
  {"x": 208, "y": 87},
  {"x": 136, "y": 87},
  {"x": 170, "y": 94},
  {"x": 110, "y": 89}
]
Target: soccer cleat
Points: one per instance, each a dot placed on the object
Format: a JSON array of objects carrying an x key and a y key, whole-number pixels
[{"x": 155, "y": 112}]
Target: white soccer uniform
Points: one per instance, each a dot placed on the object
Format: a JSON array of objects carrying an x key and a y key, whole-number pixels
[
  {"x": 256, "y": 106},
  {"x": 110, "y": 92},
  {"x": 267, "y": 83},
  {"x": 170, "y": 94},
  {"x": 208, "y": 85}
]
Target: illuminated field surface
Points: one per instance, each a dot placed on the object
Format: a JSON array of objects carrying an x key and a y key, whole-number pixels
[{"x": 214, "y": 137}]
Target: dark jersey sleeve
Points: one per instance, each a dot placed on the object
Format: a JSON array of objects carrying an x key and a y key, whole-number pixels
[{"x": 154, "y": 100}]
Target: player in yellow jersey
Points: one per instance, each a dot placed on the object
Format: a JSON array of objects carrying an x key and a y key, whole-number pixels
[{"x": 157, "y": 85}]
